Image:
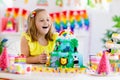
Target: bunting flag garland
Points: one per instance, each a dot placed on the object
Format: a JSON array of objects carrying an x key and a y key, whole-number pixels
[
  {"x": 70, "y": 19},
  {"x": 14, "y": 12}
]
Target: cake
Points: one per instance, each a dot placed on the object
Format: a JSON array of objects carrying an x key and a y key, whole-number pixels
[
  {"x": 20, "y": 59},
  {"x": 65, "y": 54}
]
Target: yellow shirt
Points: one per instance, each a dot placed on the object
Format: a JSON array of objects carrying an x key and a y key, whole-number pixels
[{"x": 36, "y": 48}]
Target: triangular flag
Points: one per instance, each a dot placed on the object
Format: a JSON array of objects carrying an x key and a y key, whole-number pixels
[{"x": 16, "y": 12}]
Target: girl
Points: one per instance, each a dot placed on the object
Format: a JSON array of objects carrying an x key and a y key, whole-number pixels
[{"x": 39, "y": 39}]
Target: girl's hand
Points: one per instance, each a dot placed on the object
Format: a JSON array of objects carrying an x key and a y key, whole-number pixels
[{"x": 43, "y": 58}]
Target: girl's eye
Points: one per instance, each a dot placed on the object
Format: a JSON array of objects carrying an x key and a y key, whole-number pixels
[
  {"x": 41, "y": 20},
  {"x": 48, "y": 20}
]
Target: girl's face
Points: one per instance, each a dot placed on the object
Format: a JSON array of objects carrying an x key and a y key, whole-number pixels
[{"x": 43, "y": 22}]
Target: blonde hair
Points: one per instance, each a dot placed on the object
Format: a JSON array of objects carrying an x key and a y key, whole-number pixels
[{"x": 32, "y": 30}]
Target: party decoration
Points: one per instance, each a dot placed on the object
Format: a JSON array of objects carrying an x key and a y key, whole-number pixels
[
  {"x": 9, "y": 26},
  {"x": 64, "y": 20},
  {"x": 70, "y": 19},
  {"x": 89, "y": 3},
  {"x": 74, "y": 3},
  {"x": 26, "y": 1},
  {"x": 103, "y": 4},
  {"x": 24, "y": 13},
  {"x": 10, "y": 21},
  {"x": 59, "y": 3},
  {"x": 42, "y": 3},
  {"x": 68, "y": 2},
  {"x": 77, "y": 2},
  {"x": 16, "y": 12},
  {"x": 8, "y": 12},
  {"x": 94, "y": 61},
  {"x": 98, "y": 1},
  {"x": 104, "y": 65},
  {"x": 4, "y": 63},
  {"x": 57, "y": 22},
  {"x": 108, "y": 1},
  {"x": 65, "y": 33}
]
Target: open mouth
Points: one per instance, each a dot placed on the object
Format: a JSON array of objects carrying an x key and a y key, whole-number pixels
[{"x": 45, "y": 27}]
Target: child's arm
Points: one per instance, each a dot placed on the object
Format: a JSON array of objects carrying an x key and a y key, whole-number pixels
[{"x": 25, "y": 50}]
